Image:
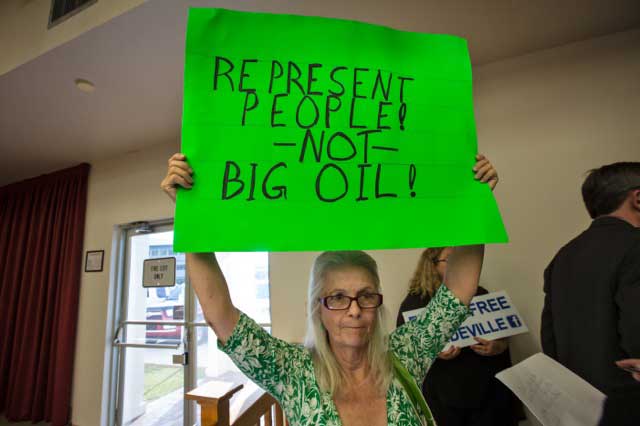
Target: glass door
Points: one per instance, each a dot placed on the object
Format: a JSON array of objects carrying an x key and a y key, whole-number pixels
[
  {"x": 162, "y": 346},
  {"x": 152, "y": 336}
]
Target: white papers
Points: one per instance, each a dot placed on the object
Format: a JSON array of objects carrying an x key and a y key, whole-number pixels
[{"x": 554, "y": 394}]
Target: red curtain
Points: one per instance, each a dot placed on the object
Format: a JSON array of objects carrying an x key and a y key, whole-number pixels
[{"x": 41, "y": 235}]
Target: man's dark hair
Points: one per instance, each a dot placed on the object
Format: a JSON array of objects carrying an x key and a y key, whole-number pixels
[{"x": 604, "y": 189}]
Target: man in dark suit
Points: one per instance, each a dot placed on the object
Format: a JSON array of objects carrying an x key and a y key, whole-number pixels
[{"x": 591, "y": 315}]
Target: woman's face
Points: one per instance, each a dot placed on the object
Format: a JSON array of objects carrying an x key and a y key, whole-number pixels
[
  {"x": 352, "y": 327},
  {"x": 441, "y": 265}
]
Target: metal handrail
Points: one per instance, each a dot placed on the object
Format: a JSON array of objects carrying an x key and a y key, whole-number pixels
[
  {"x": 187, "y": 323},
  {"x": 164, "y": 322},
  {"x": 146, "y": 345},
  {"x": 117, "y": 342}
]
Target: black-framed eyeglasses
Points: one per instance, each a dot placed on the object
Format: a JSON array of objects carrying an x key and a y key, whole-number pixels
[{"x": 340, "y": 302}]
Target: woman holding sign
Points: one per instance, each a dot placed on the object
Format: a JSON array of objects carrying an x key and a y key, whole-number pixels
[
  {"x": 460, "y": 387},
  {"x": 347, "y": 372}
]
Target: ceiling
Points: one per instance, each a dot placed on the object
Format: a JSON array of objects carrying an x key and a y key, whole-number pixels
[{"x": 136, "y": 63}]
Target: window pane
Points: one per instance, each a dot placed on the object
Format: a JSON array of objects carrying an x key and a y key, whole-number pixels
[
  {"x": 247, "y": 275},
  {"x": 153, "y": 388}
]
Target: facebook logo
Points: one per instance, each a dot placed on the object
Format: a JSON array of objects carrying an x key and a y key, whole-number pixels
[{"x": 514, "y": 321}]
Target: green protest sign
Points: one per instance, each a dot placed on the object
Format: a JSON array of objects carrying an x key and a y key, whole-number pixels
[{"x": 311, "y": 133}]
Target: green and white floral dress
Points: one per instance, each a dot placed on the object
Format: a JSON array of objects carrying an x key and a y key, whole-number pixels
[{"x": 286, "y": 370}]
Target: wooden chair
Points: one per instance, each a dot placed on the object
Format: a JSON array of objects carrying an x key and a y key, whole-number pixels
[{"x": 236, "y": 404}]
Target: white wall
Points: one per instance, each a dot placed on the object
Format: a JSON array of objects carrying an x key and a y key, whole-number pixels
[
  {"x": 24, "y": 32},
  {"x": 543, "y": 119}
]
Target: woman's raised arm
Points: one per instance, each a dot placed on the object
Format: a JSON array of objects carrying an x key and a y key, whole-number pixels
[
  {"x": 205, "y": 275},
  {"x": 465, "y": 263},
  {"x": 206, "y": 278},
  {"x": 463, "y": 271}
]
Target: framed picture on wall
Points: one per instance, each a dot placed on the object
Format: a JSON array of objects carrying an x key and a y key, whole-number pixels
[{"x": 94, "y": 260}]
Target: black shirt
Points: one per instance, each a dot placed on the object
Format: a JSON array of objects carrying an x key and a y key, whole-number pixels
[
  {"x": 465, "y": 381},
  {"x": 591, "y": 315}
]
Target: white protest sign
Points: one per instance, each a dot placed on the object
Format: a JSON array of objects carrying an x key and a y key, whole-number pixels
[{"x": 493, "y": 316}]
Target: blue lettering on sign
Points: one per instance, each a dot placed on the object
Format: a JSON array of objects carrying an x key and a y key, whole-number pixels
[
  {"x": 489, "y": 305},
  {"x": 473, "y": 330},
  {"x": 493, "y": 305},
  {"x": 502, "y": 301},
  {"x": 482, "y": 307},
  {"x": 487, "y": 327},
  {"x": 463, "y": 332}
]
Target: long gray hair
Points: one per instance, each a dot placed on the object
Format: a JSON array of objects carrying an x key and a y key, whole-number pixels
[{"x": 328, "y": 372}]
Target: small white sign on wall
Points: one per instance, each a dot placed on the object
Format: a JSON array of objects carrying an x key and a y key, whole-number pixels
[
  {"x": 159, "y": 272},
  {"x": 493, "y": 316}
]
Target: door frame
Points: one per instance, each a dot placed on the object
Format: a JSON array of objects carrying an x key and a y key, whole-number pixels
[{"x": 116, "y": 312}]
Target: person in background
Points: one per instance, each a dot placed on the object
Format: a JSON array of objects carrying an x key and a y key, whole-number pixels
[
  {"x": 460, "y": 387},
  {"x": 591, "y": 315}
]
